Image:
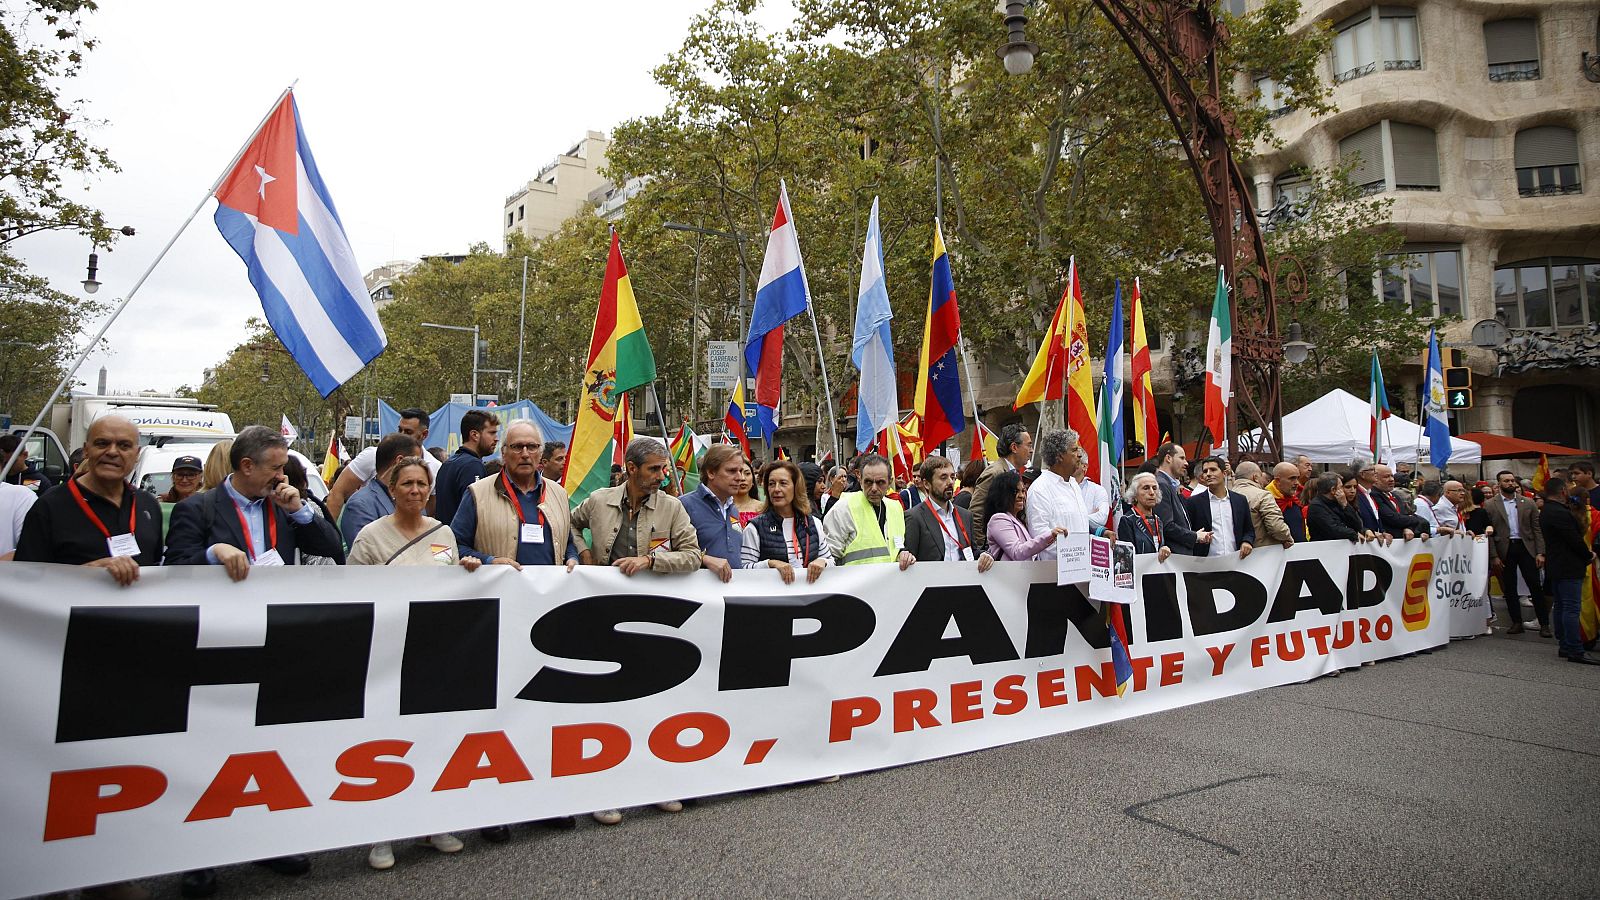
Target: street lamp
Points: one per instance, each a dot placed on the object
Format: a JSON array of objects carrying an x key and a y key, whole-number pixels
[
  {"x": 1018, "y": 52},
  {"x": 474, "y": 330},
  {"x": 1296, "y": 349},
  {"x": 91, "y": 283},
  {"x": 738, "y": 240}
]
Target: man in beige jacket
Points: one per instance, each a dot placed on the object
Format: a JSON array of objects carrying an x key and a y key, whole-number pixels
[
  {"x": 1265, "y": 515},
  {"x": 634, "y": 526}
]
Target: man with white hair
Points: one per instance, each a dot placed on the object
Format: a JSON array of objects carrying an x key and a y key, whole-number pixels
[
  {"x": 1265, "y": 516},
  {"x": 1054, "y": 500},
  {"x": 1447, "y": 511},
  {"x": 519, "y": 517}
]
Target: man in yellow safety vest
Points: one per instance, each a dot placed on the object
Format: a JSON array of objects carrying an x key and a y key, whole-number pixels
[{"x": 866, "y": 526}]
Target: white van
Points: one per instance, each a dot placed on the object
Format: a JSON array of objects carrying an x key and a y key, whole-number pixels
[{"x": 154, "y": 472}]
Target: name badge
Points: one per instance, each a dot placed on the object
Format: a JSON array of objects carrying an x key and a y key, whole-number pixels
[
  {"x": 269, "y": 558},
  {"x": 964, "y": 554},
  {"x": 122, "y": 545},
  {"x": 532, "y": 533},
  {"x": 899, "y": 543}
]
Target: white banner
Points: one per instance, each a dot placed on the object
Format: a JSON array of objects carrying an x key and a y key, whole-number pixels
[
  {"x": 1461, "y": 583},
  {"x": 189, "y": 721}
]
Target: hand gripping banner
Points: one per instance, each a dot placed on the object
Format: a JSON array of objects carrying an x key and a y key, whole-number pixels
[{"x": 189, "y": 721}]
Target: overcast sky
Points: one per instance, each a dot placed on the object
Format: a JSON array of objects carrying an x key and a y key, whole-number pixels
[{"x": 423, "y": 117}]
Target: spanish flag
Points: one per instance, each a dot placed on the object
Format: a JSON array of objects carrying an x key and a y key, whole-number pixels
[
  {"x": 1145, "y": 429},
  {"x": 1541, "y": 475},
  {"x": 619, "y": 360},
  {"x": 1064, "y": 357}
]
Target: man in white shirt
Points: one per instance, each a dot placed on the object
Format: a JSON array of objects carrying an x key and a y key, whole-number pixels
[
  {"x": 1094, "y": 493},
  {"x": 1224, "y": 513},
  {"x": 1447, "y": 512},
  {"x": 1428, "y": 494},
  {"x": 1054, "y": 500},
  {"x": 15, "y": 501}
]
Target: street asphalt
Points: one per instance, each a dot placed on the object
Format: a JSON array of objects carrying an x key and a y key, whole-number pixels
[{"x": 1473, "y": 771}]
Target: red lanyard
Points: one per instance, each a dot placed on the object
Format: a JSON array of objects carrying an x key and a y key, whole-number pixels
[
  {"x": 959, "y": 527},
  {"x": 133, "y": 508},
  {"x": 272, "y": 528},
  {"x": 1154, "y": 532},
  {"x": 800, "y": 550},
  {"x": 516, "y": 502}
]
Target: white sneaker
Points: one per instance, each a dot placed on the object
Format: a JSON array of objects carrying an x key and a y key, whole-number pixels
[
  {"x": 670, "y": 806},
  {"x": 381, "y": 856},
  {"x": 445, "y": 843},
  {"x": 608, "y": 816}
]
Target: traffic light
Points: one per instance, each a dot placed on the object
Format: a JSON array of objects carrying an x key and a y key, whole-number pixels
[
  {"x": 1458, "y": 377},
  {"x": 1458, "y": 398}
]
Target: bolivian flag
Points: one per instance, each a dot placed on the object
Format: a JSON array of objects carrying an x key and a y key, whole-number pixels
[{"x": 619, "y": 360}]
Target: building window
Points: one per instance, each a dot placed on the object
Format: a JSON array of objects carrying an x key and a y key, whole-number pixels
[
  {"x": 1378, "y": 37},
  {"x": 1554, "y": 292},
  {"x": 1425, "y": 279},
  {"x": 1547, "y": 161},
  {"x": 1272, "y": 97},
  {"x": 510, "y": 220},
  {"x": 1512, "y": 46},
  {"x": 519, "y": 214},
  {"x": 1392, "y": 156}
]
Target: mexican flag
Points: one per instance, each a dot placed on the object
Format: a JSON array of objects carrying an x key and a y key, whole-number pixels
[{"x": 1219, "y": 366}]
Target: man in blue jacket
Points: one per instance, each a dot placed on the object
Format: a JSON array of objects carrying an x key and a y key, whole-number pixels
[
  {"x": 711, "y": 510},
  {"x": 480, "y": 431},
  {"x": 372, "y": 502}
]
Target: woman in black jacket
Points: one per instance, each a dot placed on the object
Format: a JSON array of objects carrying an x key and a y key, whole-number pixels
[{"x": 1329, "y": 516}]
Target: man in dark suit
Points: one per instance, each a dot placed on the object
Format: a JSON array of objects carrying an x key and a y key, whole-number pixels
[
  {"x": 1569, "y": 555},
  {"x": 1015, "y": 446},
  {"x": 253, "y": 518},
  {"x": 1224, "y": 513},
  {"x": 938, "y": 529},
  {"x": 1517, "y": 545},
  {"x": 1172, "y": 467},
  {"x": 1380, "y": 510}
]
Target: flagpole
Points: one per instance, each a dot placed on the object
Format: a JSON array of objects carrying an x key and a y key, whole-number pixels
[
  {"x": 822, "y": 363},
  {"x": 72, "y": 370},
  {"x": 661, "y": 419}
]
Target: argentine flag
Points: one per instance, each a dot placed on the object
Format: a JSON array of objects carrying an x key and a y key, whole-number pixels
[
  {"x": 871, "y": 350},
  {"x": 276, "y": 213}
]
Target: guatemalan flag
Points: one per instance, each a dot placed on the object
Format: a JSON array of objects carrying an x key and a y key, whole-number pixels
[
  {"x": 781, "y": 294},
  {"x": 276, "y": 213}
]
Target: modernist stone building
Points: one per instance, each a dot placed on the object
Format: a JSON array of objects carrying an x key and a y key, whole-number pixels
[{"x": 1481, "y": 119}]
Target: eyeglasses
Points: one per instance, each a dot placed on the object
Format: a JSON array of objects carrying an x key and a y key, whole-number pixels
[{"x": 523, "y": 448}]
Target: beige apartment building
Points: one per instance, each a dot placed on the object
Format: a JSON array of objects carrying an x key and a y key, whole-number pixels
[
  {"x": 564, "y": 186},
  {"x": 1481, "y": 119}
]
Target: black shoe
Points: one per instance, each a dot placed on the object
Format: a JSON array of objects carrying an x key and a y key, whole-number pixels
[
  {"x": 1584, "y": 660},
  {"x": 198, "y": 883},
  {"x": 297, "y": 864},
  {"x": 495, "y": 834},
  {"x": 560, "y": 823},
  {"x": 1544, "y": 631},
  {"x": 1516, "y": 628}
]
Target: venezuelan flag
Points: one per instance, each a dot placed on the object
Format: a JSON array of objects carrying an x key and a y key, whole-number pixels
[
  {"x": 938, "y": 397},
  {"x": 619, "y": 360},
  {"x": 1121, "y": 664}
]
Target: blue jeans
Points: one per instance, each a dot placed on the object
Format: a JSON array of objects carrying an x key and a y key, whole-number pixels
[{"x": 1568, "y": 596}]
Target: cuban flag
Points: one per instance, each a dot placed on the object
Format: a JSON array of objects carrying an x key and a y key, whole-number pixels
[
  {"x": 781, "y": 294},
  {"x": 871, "y": 348},
  {"x": 276, "y": 213}
]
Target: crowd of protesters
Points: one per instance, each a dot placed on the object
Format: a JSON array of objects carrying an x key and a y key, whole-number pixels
[{"x": 396, "y": 504}]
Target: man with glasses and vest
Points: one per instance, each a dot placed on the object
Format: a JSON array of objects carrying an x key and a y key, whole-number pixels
[
  {"x": 866, "y": 526},
  {"x": 517, "y": 518},
  {"x": 937, "y": 529}
]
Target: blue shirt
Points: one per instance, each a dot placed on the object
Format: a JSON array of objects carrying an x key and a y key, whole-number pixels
[
  {"x": 458, "y": 473},
  {"x": 367, "y": 505},
  {"x": 255, "y": 513},
  {"x": 465, "y": 526},
  {"x": 716, "y": 524}
]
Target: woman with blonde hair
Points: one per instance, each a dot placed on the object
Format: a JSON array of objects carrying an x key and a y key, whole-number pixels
[{"x": 218, "y": 465}]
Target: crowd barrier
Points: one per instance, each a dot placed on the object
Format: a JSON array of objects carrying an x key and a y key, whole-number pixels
[{"x": 189, "y": 721}]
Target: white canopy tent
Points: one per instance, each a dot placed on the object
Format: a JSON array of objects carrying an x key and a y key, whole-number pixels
[{"x": 1334, "y": 429}]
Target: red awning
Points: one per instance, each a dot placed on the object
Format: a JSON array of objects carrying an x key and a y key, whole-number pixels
[{"x": 1498, "y": 446}]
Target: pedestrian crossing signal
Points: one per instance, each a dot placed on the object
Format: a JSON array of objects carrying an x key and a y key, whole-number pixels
[
  {"x": 1459, "y": 398},
  {"x": 1457, "y": 377}
]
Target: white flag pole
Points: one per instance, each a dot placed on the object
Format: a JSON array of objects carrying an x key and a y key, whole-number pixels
[{"x": 66, "y": 378}]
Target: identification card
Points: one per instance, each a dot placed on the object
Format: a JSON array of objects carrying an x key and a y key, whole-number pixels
[
  {"x": 899, "y": 543},
  {"x": 122, "y": 545},
  {"x": 532, "y": 533},
  {"x": 269, "y": 558}
]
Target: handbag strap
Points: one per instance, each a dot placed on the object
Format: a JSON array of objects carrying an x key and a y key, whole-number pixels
[{"x": 412, "y": 543}]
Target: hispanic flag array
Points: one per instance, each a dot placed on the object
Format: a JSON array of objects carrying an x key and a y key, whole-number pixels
[
  {"x": 938, "y": 396},
  {"x": 781, "y": 294},
  {"x": 1219, "y": 366},
  {"x": 619, "y": 360},
  {"x": 275, "y": 211}
]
